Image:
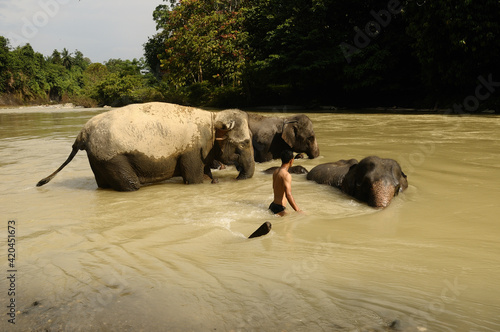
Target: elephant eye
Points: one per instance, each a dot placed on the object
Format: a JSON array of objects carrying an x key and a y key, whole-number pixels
[{"x": 244, "y": 144}]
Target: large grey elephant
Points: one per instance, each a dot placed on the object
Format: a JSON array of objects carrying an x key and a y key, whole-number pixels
[
  {"x": 373, "y": 180},
  {"x": 272, "y": 135},
  {"x": 146, "y": 143}
]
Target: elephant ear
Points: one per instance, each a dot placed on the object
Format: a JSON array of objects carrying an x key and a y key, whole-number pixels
[
  {"x": 350, "y": 181},
  {"x": 289, "y": 133},
  {"x": 222, "y": 128}
]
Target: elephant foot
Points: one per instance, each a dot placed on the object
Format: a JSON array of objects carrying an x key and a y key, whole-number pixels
[
  {"x": 262, "y": 230},
  {"x": 215, "y": 180}
]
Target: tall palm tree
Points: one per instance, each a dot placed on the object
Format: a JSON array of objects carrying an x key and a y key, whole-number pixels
[{"x": 67, "y": 60}]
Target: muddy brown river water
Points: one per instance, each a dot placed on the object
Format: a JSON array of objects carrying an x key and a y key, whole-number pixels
[{"x": 174, "y": 257}]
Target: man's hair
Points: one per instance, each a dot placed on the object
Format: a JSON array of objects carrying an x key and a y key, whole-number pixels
[{"x": 286, "y": 156}]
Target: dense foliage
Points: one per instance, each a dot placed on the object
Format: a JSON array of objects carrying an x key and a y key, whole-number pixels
[
  {"x": 417, "y": 53},
  {"x": 311, "y": 52},
  {"x": 27, "y": 76}
]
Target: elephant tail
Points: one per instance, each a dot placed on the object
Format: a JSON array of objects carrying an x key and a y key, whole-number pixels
[{"x": 78, "y": 145}]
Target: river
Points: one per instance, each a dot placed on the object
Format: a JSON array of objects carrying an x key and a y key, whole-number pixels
[{"x": 175, "y": 257}]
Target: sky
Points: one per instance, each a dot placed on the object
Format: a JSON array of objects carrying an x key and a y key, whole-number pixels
[{"x": 100, "y": 29}]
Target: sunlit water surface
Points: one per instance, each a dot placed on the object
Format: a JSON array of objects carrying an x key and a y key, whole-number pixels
[{"x": 174, "y": 257}]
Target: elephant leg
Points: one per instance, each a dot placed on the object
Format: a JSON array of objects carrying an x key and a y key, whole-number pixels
[
  {"x": 101, "y": 180},
  {"x": 97, "y": 169},
  {"x": 259, "y": 156},
  {"x": 191, "y": 168},
  {"x": 208, "y": 172},
  {"x": 122, "y": 176},
  {"x": 116, "y": 173},
  {"x": 99, "y": 172}
]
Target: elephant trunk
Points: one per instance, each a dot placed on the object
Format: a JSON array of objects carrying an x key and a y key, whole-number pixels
[
  {"x": 381, "y": 194},
  {"x": 246, "y": 164},
  {"x": 313, "y": 150}
]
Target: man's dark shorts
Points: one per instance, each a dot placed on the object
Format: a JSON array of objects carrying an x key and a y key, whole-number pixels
[{"x": 276, "y": 208}]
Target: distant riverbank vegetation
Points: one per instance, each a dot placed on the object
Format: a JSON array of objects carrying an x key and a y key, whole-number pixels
[
  {"x": 248, "y": 53},
  {"x": 27, "y": 77}
]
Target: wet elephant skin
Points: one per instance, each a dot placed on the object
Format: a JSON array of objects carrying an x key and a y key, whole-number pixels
[
  {"x": 272, "y": 135},
  {"x": 373, "y": 180},
  {"x": 146, "y": 143}
]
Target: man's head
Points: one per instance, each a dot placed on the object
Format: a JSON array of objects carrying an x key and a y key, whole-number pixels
[{"x": 286, "y": 156}]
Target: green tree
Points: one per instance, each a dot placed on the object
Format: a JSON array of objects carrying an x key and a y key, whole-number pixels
[
  {"x": 28, "y": 77},
  {"x": 118, "y": 82},
  {"x": 55, "y": 58},
  {"x": 153, "y": 49},
  {"x": 204, "y": 42},
  {"x": 296, "y": 51},
  {"x": 292, "y": 48},
  {"x": 57, "y": 77},
  {"x": 62, "y": 77},
  {"x": 116, "y": 90},
  {"x": 95, "y": 73},
  {"x": 81, "y": 62},
  {"x": 124, "y": 67},
  {"x": 67, "y": 60},
  {"x": 4, "y": 63}
]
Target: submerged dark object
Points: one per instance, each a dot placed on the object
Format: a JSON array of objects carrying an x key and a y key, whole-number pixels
[{"x": 262, "y": 230}]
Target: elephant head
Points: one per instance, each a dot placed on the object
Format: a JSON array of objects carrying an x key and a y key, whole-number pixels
[
  {"x": 234, "y": 141},
  {"x": 298, "y": 133},
  {"x": 375, "y": 181},
  {"x": 272, "y": 135}
]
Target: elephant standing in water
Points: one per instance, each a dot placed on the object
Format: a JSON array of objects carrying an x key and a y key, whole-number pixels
[
  {"x": 272, "y": 135},
  {"x": 146, "y": 143},
  {"x": 373, "y": 180}
]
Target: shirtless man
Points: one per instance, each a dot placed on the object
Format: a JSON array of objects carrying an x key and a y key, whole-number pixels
[{"x": 282, "y": 186}]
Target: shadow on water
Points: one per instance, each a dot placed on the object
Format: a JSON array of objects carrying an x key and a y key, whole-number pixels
[{"x": 77, "y": 183}]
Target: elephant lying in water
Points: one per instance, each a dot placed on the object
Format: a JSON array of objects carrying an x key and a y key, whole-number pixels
[
  {"x": 272, "y": 135},
  {"x": 146, "y": 143},
  {"x": 373, "y": 180}
]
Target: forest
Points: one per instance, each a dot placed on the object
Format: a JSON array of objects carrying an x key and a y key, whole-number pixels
[{"x": 311, "y": 53}]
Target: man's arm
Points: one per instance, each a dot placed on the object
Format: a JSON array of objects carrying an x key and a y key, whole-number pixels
[{"x": 288, "y": 193}]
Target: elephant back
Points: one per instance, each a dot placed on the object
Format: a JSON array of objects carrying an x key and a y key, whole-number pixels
[
  {"x": 156, "y": 130},
  {"x": 331, "y": 173}
]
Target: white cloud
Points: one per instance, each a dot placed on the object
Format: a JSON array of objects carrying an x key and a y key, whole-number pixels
[{"x": 99, "y": 29}]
